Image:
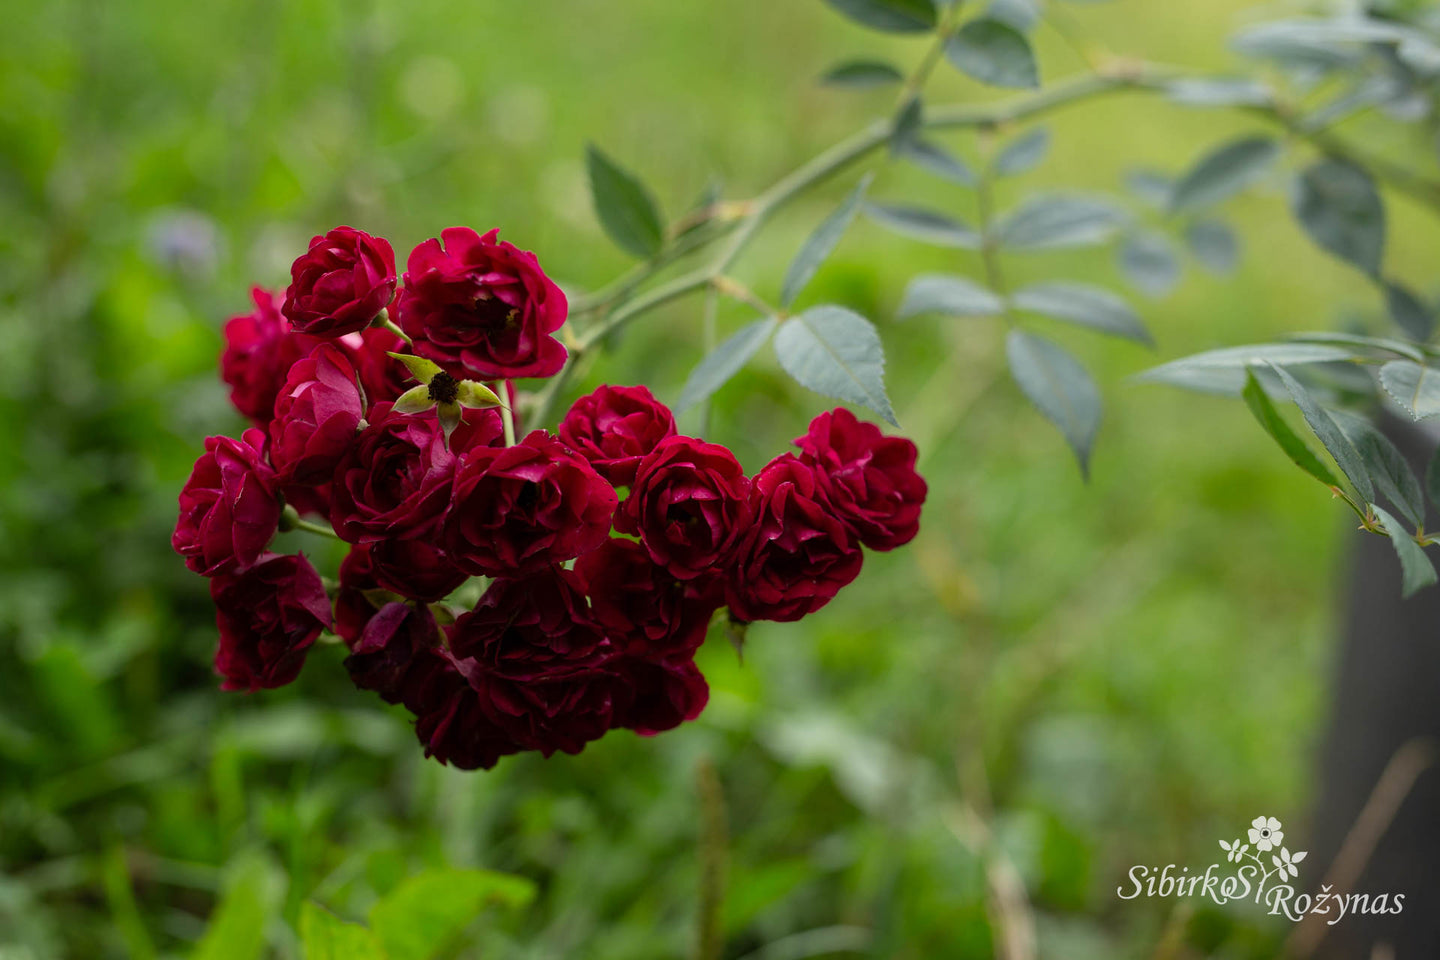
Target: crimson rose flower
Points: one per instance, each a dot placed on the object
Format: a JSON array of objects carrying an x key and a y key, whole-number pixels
[
  {"x": 316, "y": 416},
  {"x": 394, "y": 480},
  {"x": 259, "y": 349},
  {"x": 353, "y": 609},
  {"x": 614, "y": 428},
  {"x": 268, "y": 617},
  {"x": 869, "y": 477},
  {"x": 520, "y": 509},
  {"x": 382, "y": 376},
  {"x": 639, "y": 605},
  {"x": 525, "y": 627},
  {"x": 391, "y": 652},
  {"x": 796, "y": 555},
  {"x": 482, "y": 308},
  {"x": 664, "y": 693},
  {"x": 688, "y": 506},
  {"x": 340, "y": 284},
  {"x": 229, "y": 508},
  {"x": 415, "y": 569}
]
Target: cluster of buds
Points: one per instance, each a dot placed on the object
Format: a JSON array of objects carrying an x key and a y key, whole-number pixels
[{"x": 604, "y": 550}]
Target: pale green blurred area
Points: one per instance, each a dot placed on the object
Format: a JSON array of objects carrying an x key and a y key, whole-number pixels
[{"x": 1109, "y": 674}]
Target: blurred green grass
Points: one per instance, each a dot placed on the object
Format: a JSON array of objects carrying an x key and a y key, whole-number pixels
[{"x": 1109, "y": 674}]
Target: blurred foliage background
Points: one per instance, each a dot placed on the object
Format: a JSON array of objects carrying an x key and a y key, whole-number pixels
[{"x": 1067, "y": 679}]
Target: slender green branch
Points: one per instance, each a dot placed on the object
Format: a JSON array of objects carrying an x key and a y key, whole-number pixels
[
  {"x": 507, "y": 416},
  {"x": 710, "y": 340},
  {"x": 315, "y": 528}
]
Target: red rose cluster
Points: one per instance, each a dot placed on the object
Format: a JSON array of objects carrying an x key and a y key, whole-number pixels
[{"x": 607, "y": 546}]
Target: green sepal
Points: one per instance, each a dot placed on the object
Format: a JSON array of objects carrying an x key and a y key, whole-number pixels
[
  {"x": 420, "y": 368},
  {"x": 450, "y": 414},
  {"x": 477, "y": 396},
  {"x": 414, "y": 400}
]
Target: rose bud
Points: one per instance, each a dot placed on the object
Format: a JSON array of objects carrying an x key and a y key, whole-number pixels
[
  {"x": 387, "y": 656},
  {"x": 259, "y": 350},
  {"x": 340, "y": 284},
  {"x": 796, "y": 554},
  {"x": 688, "y": 506},
  {"x": 869, "y": 477},
  {"x": 316, "y": 416},
  {"x": 229, "y": 508},
  {"x": 523, "y": 628},
  {"x": 520, "y": 509},
  {"x": 394, "y": 480},
  {"x": 482, "y": 308},
  {"x": 268, "y": 617},
  {"x": 664, "y": 693},
  {"x": 614, "y": 428},
  {"x": 638, "y": 604},
  {"x": 415, "y": 569}
]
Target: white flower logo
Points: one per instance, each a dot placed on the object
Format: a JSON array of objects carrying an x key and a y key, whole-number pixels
[
  {"x": 1285, "y": 864},
  {"x": 1265, "y": 833},
  {"x": 1234, "y": 851}
]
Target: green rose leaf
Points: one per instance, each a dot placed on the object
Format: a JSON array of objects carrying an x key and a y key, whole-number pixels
[
  {"x": 1409, "y": 312},
  {"x": 1147, "y": 258},
  {"x": 1413, "y": 386},
  {"x": 951, "y": 296},
  {"x": 1047, "y": 223},
  {"x": 1214, "y": 245},
  {"x": 925, "y": 225},
  {"x": 247, "y": 901},
  {"x": 1295, "y": 448},
  {"x": 725, "y": 361},
  {"x": 1416, "y": 569},
  {"x": 836, "y": 352},
  {"x": 1082, "y": 304},
  {"x": 821, "y": 244},
  {"x": 1389, "y": 470},
  {"x": 1340, "y": 208},
  {"x": 1331, "y": 436},
  {"x": 1223, "y": 173},
  {"x": 891, "y": 16},
  {"x": 862, "y": 75},
  {"x": 1024, "y": 153},
  {"x": 933, "y": 158},
  {"x": 1432, "y": 478},
  {"x": 994, "y": 53},
  {"x": 624, "y": 206},
  {"x": 1223, "y": 370},
  {"x": 1062, "y": 390}
]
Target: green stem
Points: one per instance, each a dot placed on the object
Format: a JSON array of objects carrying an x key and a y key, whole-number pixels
[
  {"x": 507, "y": 416},
  {"x": 315, "y": 528},
  {"x": 710, "y": 339}
]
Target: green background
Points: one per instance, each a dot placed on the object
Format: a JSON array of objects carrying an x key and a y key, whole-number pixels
[{"x": 1088, "y": 676}]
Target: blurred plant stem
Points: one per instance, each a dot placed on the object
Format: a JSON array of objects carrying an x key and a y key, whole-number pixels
[
  {"x": 613, "y": 306},
  {"x": 714, "y": 842}
]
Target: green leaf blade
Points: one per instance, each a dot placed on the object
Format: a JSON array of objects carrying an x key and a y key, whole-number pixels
[
  {"x": 889, "y": 16},
  {"x": 1087, "y": 306},
  {"x": 1264, "y": 410},
  {"x": 624, "y": 205},
  {"x": 924, "y": 225},
  {"x": 325, "y": 936},
  {"x": 428, "y": 911},
  {"x": 1059, "y": 387},
  {"x": 821, "y": 244},
  {"x": 948, "y": 295},
  {"x": 1223, "y": 173},
  {"x": 1414, "y": 387},
  {"x": 1340, "y": 208},
  {"x": 726, "y": 360},
  {"x": 836, "y": 352},
  {"x": 1417, "y": 571},
  {"x": 1329, "y": 433},
  {"x": 994, "y": 53}
]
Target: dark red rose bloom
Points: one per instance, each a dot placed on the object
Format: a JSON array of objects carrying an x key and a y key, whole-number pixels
[
  {"x": 614, "y": 428},
  {"x": 415, "y": 569},
  {"x": 268, "y": 617},
  {"x": 639, "y": 605},
  {"x": 524, "y": 628},
  {"x": 382, "y": 376},
  {"x": 688, "y": 506},
  {"x": 394, "y": 480},
  {"x": 259, "y": 349},
  {"x": 869, "y": 477},
  {"x": 482, "y": 308},
  {"x": 353, "y": 609},
  {"x": 664, "y": 693},
  {"x": 391, "y": 653},
  {"x": 230, "y": 506},
  {"x": 796, "y": 554},
  {"x": 520, "y": 509},
  {"x": 307, "y": 499},
  {"x": 316, "y": 416},
  {"x": 450, "y": 715},
  {"x": 340, "y": 284}
]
